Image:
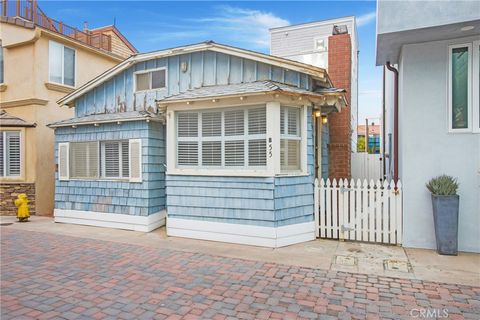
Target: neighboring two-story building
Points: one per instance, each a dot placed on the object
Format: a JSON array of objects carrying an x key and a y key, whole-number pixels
[
  {"x": 332, "y": 45},
  {"x": 431, "y": 52},
  {"x": 41, "y": 60}
]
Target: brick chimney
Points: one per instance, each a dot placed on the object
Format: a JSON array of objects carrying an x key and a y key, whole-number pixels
[{"x": 339, "y": 70}]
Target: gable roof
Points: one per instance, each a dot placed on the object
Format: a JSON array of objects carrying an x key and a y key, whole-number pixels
[
  {"x": 7, "y": 120},
  {"x": 117, "y": 32},
  {"x": 316, "y": 72}
]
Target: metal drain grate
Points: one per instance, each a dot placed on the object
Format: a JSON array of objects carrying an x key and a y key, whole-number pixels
[
  {"x": 397, "y": 265},
  {"x": 345, "y": 260}
]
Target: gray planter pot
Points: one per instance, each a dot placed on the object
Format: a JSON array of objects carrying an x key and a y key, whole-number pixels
[{"x": 445, "y": 216}]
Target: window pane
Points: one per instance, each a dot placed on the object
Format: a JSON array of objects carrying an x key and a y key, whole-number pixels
[
  {"x": 55, "y": 62},
  {"x": 112, "y": 160},
  {"x": 142, "y": 81},
  {"x": 212, "y": 153},
  {"x": 283, "y": 110},
  {"x": 234, "y": 153},
  {"x": 234, "y": 123},
  {"x": 257, "y": 152},
  {"x": 125, "y": 159},
  {"x": 187, "y": 124},
  {"x": 289, "y": 154},
  {"x": 13, "y": 153},
  {"x": 460, "y": 88},
  {"x": 84, "y": 159},
  {"x": 158, "y": 79},
  {"x": 187, "y": 153},
  {"x": 257, "y": 121},
  {"x": 293, "y": 121},
  {"x": 211, "y": 124},
  {"x": 69, "y": 67}
]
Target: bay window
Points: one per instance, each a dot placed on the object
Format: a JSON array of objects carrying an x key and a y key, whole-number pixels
[
  {"x": 290, "y": 138},
  {"x": 61, "y": 64},
  {"x": 463, "y": 88},
  {"x": 229, "y": 138},
  {"x": 10, "y": 154}
]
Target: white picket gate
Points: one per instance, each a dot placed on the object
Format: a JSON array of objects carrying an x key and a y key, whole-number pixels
[{"x": 370, "y": 212}]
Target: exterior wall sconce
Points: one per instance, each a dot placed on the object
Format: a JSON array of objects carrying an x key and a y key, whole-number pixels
[
  {"x": 317, "y": 114},
  {"x": 184, "y": 66},
  {"x": 324, "y": 119}
]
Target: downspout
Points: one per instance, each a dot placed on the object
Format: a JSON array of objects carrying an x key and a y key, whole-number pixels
[{"x": 395, "y": 121}]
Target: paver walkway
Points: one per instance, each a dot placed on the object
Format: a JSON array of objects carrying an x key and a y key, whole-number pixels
[{"x": 56, "y": 276}]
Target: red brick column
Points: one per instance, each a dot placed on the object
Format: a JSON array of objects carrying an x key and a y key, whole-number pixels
[{"x": 339, "y": 70}]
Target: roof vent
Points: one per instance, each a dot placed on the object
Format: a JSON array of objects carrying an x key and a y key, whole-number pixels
[{"x": 342, "y": 29}]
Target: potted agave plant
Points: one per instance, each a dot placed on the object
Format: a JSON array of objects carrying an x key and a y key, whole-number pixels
[{"x": 445, "y": 203}]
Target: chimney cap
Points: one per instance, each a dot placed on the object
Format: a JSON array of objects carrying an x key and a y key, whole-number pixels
[{"x": 339, "y": 29}]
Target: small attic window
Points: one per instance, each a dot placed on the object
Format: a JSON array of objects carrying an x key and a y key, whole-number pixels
[
  {"x": 320, "y": 44},
  {"x": 150, "y": 80}
]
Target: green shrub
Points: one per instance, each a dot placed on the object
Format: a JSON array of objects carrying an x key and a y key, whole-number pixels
[{"x": 443, "y": 185}]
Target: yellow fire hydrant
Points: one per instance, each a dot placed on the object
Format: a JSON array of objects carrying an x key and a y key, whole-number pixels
[{"x": 23, "y": 213}]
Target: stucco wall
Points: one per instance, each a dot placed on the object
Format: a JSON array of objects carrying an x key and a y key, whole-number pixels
[
  {"x": 428, "y": 150},
  {"x": 411, "y": 14},
  {"x": 113, "y": 196},
  {"x": 26, "y": 73}
]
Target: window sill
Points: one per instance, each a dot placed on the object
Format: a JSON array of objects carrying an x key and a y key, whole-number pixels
[
  {"x": 12, "y": 180},
  {"x": 59, "y": 87},
  {"x": 3, "y": 87}
]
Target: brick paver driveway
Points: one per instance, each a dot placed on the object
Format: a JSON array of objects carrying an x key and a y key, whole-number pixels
[{"x": 53, "y": 276}]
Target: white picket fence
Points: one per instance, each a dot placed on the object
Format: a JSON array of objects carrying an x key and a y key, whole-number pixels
[{"x": 360, "y": 211}]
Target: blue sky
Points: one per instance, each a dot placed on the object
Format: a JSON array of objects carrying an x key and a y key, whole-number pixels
[{"x": 154, "y": 25}]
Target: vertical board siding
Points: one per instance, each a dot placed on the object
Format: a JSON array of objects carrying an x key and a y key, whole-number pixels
[
  {"x": 112, "y": 196},
  {"x": 203, "y": 69},
  {"x": 325, "y": 142},
  {"x": 294, "y": 194}
]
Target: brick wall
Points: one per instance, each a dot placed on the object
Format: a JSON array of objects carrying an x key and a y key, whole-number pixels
[
  {"x": 10, "y": 191},
  {"x": 339, "y": 70}
]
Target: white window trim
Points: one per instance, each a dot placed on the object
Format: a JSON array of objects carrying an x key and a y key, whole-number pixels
[
  {"x": 469, "y": 89},
  {"x": 273, "y": 144},
  {"x": 21, "y": 176},
  {"x": 63, "y": 65},
  {"x": 149, "y": 71},
  {"x": 475, "y": 86},
  {"x": 120, "y": 159}
]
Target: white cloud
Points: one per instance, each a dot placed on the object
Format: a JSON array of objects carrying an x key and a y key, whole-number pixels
[
  {"x": 249, "y": 27},
  {"x": 366, "y": 18}
]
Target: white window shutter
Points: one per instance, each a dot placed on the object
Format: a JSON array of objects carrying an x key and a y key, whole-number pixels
[
  {"x": 63, "y": 161},
  {"x": 135, "y": 160}
]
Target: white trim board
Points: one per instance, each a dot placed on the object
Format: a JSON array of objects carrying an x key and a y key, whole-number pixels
[
  {"x": 111, "y": 220},
  {"x": 273, "y": 237}
]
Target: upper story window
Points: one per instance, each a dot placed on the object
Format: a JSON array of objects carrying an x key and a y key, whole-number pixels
[
  {"x": 320, "y": 44},
  {"x": 150, "y": 80},
  {"x": 61, "y": 64},
  {"x": 10, "y": 154},
  {"x": 232, "y": 138},
  {"x": 463, "y": 88}
]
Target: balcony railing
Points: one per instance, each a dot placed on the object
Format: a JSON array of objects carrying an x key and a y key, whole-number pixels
[{"x": 29, "y": 10}]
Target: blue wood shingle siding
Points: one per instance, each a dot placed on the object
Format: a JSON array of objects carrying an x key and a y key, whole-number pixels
[
  {"x": 271, "y": 202},
  {"x": 112, "y": 196},
  {"x": 204, "y": 69}
]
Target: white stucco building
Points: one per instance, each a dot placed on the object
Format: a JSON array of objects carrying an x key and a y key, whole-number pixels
[{"x": 435, "y": 46}]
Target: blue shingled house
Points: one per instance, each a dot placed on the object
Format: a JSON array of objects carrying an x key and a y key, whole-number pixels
[{"x": 216, "y": 142}]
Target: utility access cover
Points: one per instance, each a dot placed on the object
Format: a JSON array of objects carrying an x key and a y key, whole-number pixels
[
  {"x": 396, "y": 265},
  {"x": 345, "y": 260}
]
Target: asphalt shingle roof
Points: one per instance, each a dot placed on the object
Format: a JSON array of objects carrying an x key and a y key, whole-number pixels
[
  {"x": 245, "y": 88},
  {"x": 107, "y": 117},
  {"x": 7, "y": 120}
]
